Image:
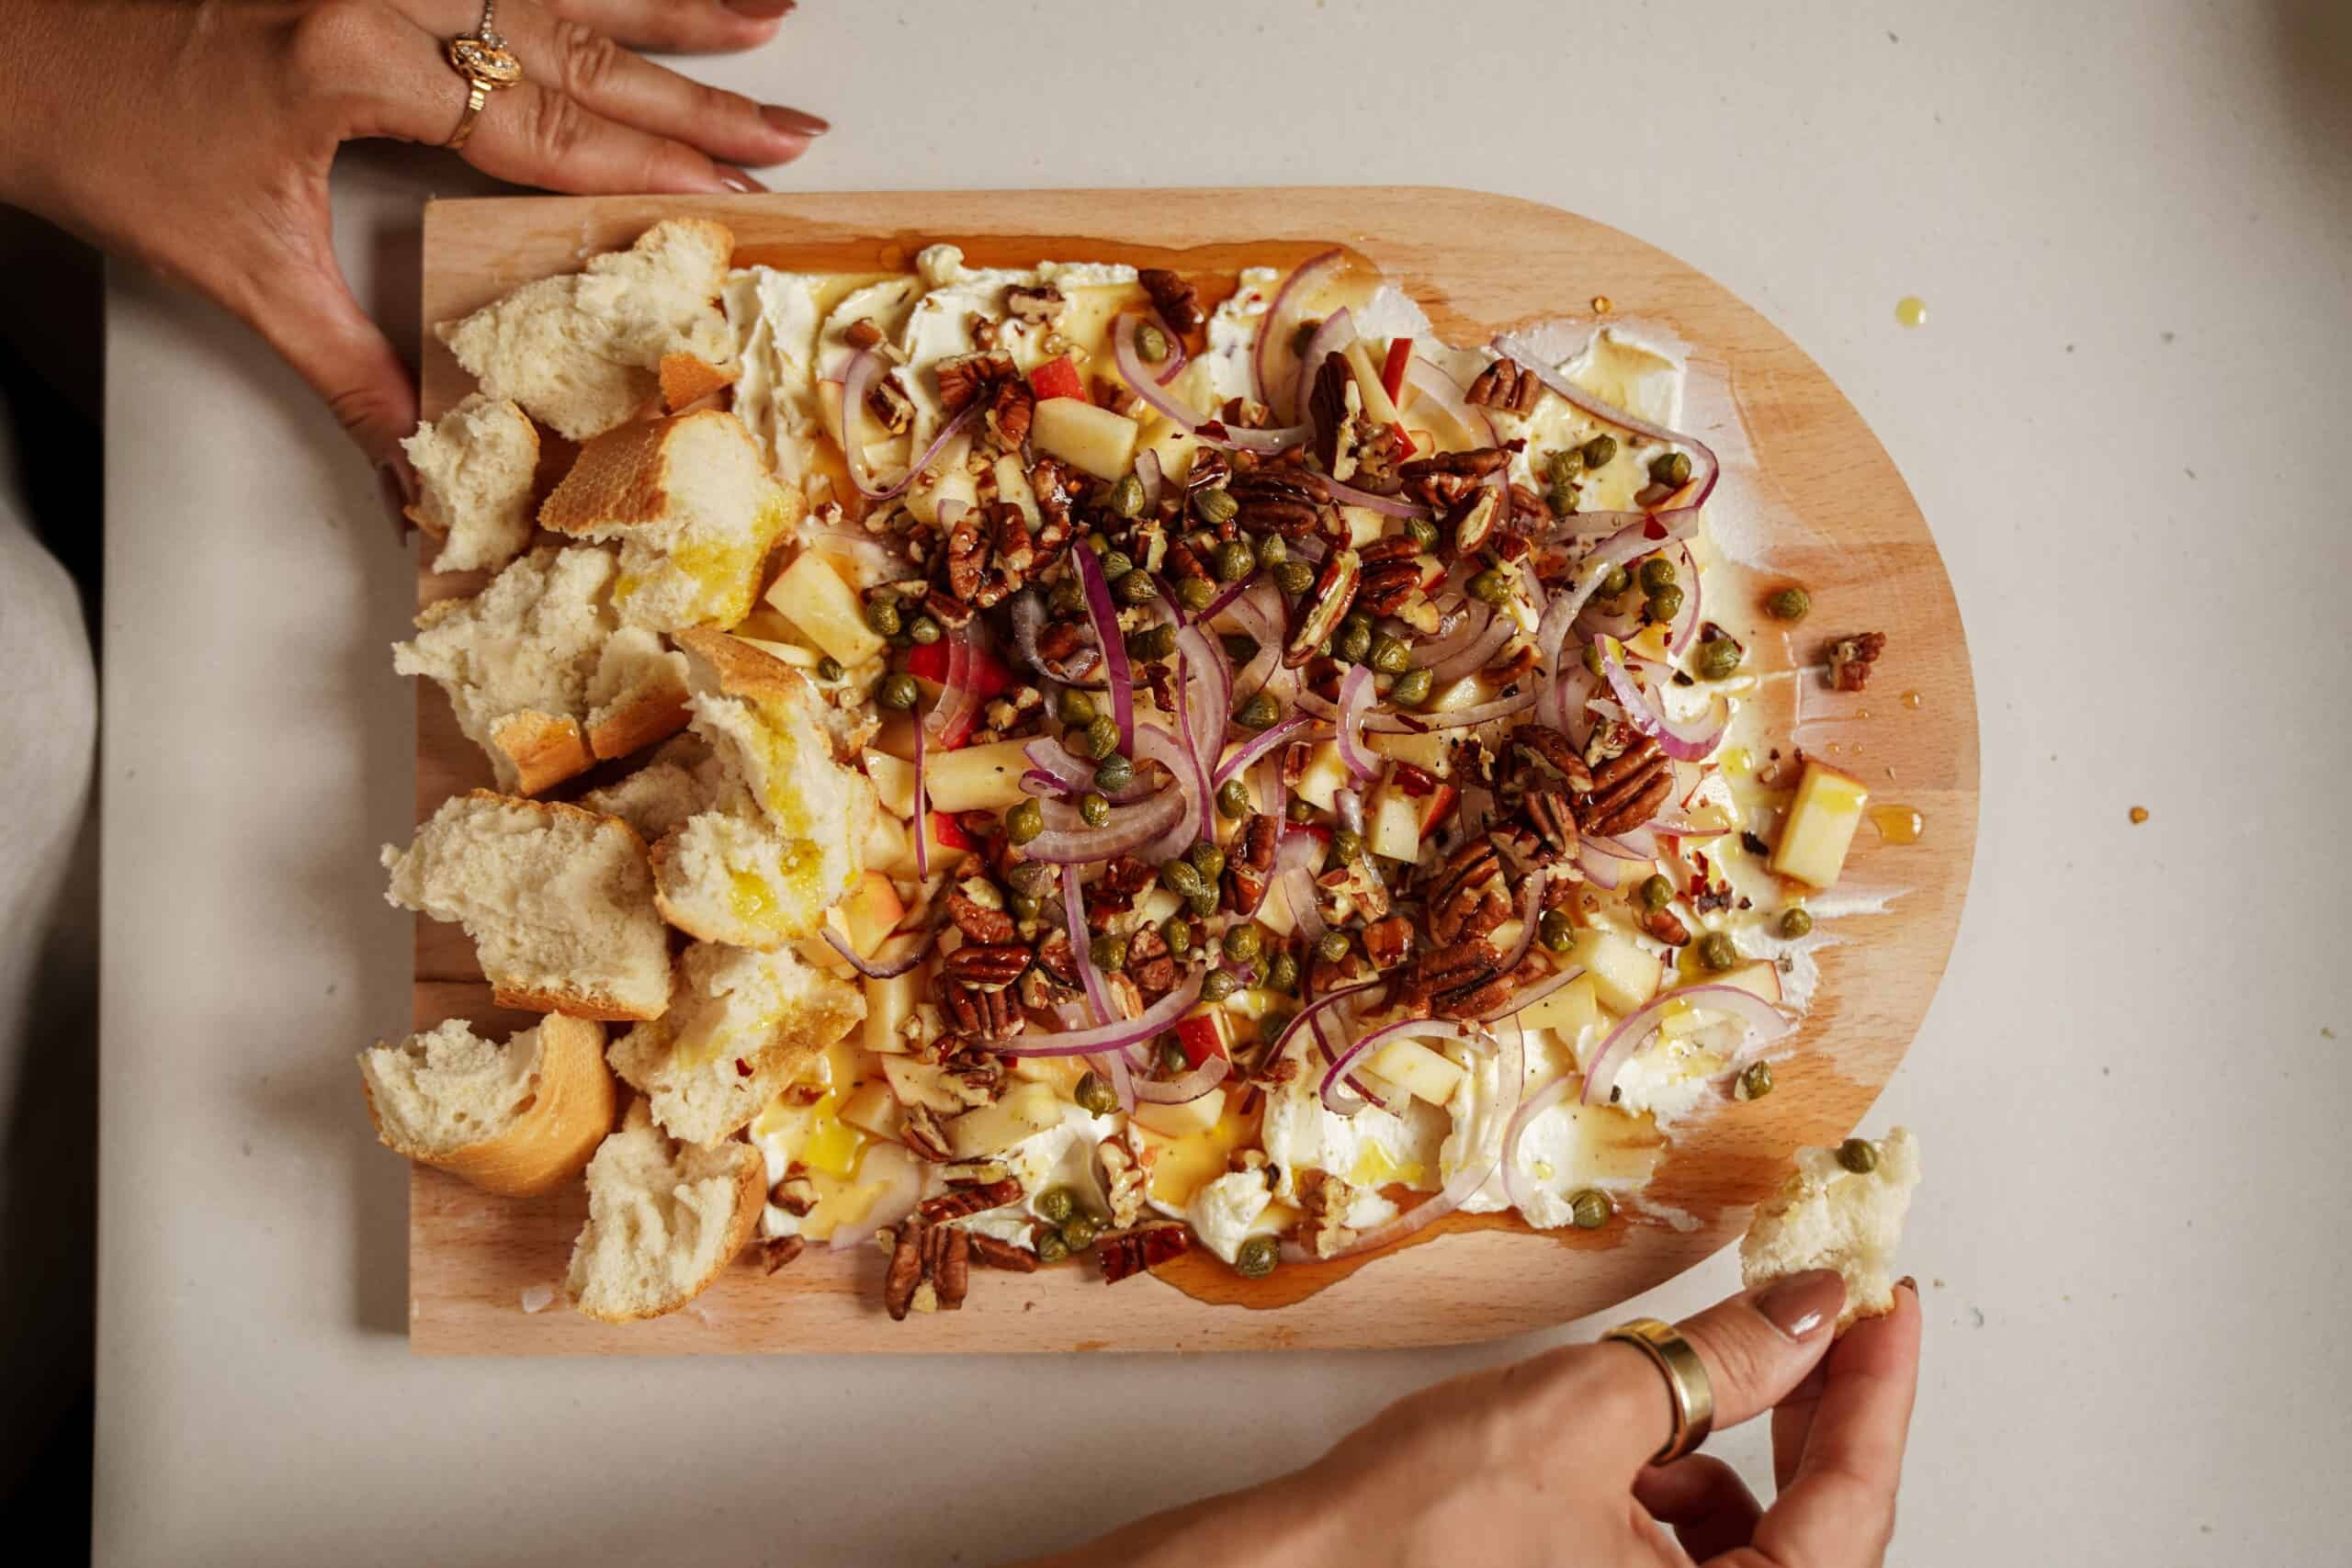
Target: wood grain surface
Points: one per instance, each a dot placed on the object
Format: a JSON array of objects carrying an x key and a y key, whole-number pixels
[{"x": 1808, "y": 495}]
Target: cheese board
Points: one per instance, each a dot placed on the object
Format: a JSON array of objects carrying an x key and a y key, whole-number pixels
[{"x": 1808, "y": 495}]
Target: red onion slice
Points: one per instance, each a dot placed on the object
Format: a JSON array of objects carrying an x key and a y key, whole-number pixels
[
  {"x": 1355, "y": 702},
  {"x": 1156, "y": 744},
  {"x": 1766, "y": 1022},
  {"x": 1105, "y": 617},
  {"x": 1294, "y": 869},
  {"x": 923, "y": 812},
  {"x": 876, "y": 969},
  {"x": 1205, "y": 806},
  {"x": 1601, "y": 870},
  {"x": 1273, "y": 363},
  {"x": 1068, "y": 773},
  {"x": 888, "y": 558},
  {"x": 1098, "y": 996},
  {"x": 1689, "y": 741},
  {"x": 1130, "y": 829},
  {"x": 1190, "y": 1086},
  {"x": 893, "y": 1202},
  {"x": 1338, "y": 330},
  {"x": 1704, "y": 472},
  {"x": 1478, "y": 653},
  {"x": 863, "y": 366},
  {"x": 1422, "y": 724},
  {"x": 1028, "y": 620},
  {"x": 1149, "y": 473},
  {"x": 1258, "y": 746},
  {"x": 1386, "y": 505},
  {"x": 1309, "y": 1015},
  {"x": 1139, "y": 375},
  {"x": 1685, "y": 624},
  {"x": 1446, "y": 393},
  {"x": 1428, "y": 1028},
  {"x": 1530, "y": 905},
  {"x": 1109, "y": 1036}
]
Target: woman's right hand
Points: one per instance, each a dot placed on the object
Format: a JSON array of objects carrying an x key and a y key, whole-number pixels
[{"x": 197, "y": 140}]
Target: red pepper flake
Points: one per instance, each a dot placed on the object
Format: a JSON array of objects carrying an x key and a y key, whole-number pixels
[{"x": 1413, "y": 781}]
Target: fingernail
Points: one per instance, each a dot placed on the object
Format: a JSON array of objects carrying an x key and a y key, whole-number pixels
[
  {"x": 1802, "y": 1305},
  {"x": 398, "y": 491},
  {"x": 764, "y": 10},
  {"x": 793, "y": 122},
  {"x": 736, "y": 180},
  {"x": 1907, "y": 1283}
]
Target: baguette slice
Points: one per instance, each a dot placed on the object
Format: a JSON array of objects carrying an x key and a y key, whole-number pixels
[
  {"x": 474, "y": 467},
  {"x": 1826, "y": 1217},
  {"x": 582, "y": 353},
  {"x": 686, "y": 380},
  {"x": 557, "y": 900},
  {"x": 663, "y": 1219},
  {"x": 517, "y": 1120},
  {"x": 692, "y": 506},
  {"x": 741, "y": 1026}
]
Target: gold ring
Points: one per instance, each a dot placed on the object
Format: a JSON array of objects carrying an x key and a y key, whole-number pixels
[
  {"x": 482, "y": 57},
  {"x": 1686, "y": 1381}
]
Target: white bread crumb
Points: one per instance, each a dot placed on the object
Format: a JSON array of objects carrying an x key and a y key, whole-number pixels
[{"x": 1826, "y": 1217}]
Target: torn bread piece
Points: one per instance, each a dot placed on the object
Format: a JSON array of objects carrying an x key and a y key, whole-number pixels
[
  {"x": 693, "y": 508},
  {"x": 540, "y": 673},
  {"x": 517, "y": 1120},
  {"x": 663, "y": 1219},
  {"x": 474, "y": 467},
  {"x": 680, "y": 779},
  {"x": 784, "y": 840},
  {"x": 559, "y": 902},
  {"x": 687, "y": 380},
  {"x": 1831, "y": 1215},
  {"x": 741, "y": 1026},
  {"x": 582, "y": 353}
]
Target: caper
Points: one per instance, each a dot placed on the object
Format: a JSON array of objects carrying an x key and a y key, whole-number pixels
[
  {"x": 1789, "y": 605},
  {"x": 1235, "y": 560},
  {"x": 1411, "y": 689},
  {"x": 1489, "y": 587},
  {"x": 1859, "y": 1155},
  {"x": 1057, "y": 1203},
  {"x": 1126, "y": 496},
  {"x": 1294, "y": 577},
  {"x": 1716, "y": 952},
  {"x": 1347, "y": 844},
  {"x": 1177, "y": 932},
  {"x": 1422, "y": 531},
  {"x": 1115, "y": 564},
  {"x": 1243, "y": 942},
  {"x": 1102, "y": 736},
  {"x": 1353, "y": 641},
  {"x": 1589, "y": 1208},
  {"x": 1562, "y": 500},
  {"x": 1715, "y": 660},
  {"x": 1670, "y": 468},
  {"x": 1271, "y": 551},
  {"x": 1025, "y": 821},
  {"x": 924, "y": 629},
  {"x": 1136, "y": 588},
  {"x": 1598, "y": 451},
  {"x": 1172, "y": 1059},
  {"x": 1068, "y": 597},
  {"x": 1664, "y": 605},
  {"x": 1109, "y": 951},
  {"x": 1035, "y": 877},
  {"x": 1389, "y": 655},
  {"x": 1754, "y": 1081},
  {"x": 1259, "y": 713},
  {"x": 1204, "y": 903},
  {"x": 1208, "y": 860},
  {"x": 1274, "y": 1020},
  {"x": 1051, "y": 1247},
  {"x": 1151, "y": 343},
  {"x": 1591, "y": 657},
  {"x": 1218, "y": 985},
  {"x": 1656, "y": 572},
  {"x": 1332, "y": 946},
  {"x": 1795, "y": 923},
  {"x": 1556, "y": 931},
  {"x": 1299, "y": 812},
  {"x": 1114, "y": 773},
  {"x": 1093, "y": 1096},
  {"x": 1152, "y": 642},
  {"x": 1181, "y": 878},
  {"x": 898, "y": 691},
  {"x": 1025, "y": 907},
  {"x": 1216, "y": 506},
  {"x": 1564, "y": 465},
  {"x": 1655, "y": 893},
  {"x": 829, "y": 669},
  {"x": 1094, "y": 809},
  {"x": 1233, "y": 798},
  {"x": 882, "y": 615},
  {"x": 1282, "y": 972},
  {"x": 1615, "y": 581},
  {"x": 1074, "y": 706},
  {"x": 1078, "y": 1232},
  {"x": 1195, "y": 593},
  {"x": 1256, "y": 1256}
]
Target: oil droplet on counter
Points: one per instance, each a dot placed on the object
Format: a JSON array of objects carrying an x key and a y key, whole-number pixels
[
  {"x": 1911, "y": 699},
  {"x": 1911, "y": 310},
  {"x": 1898, "y": 824},
  {"x": 2139, "y": 813},
  {"x": 1602, "y": 304}
]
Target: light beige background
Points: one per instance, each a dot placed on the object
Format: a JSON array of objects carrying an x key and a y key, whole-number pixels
[{"x": 2125, "y": 420}]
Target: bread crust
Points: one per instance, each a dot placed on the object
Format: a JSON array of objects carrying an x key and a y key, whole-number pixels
[
  {"x": 651, "y": 715},
  {"x": 543, "y": 749},
  {"x": 749, "y": 1201},
  {"x": 572, "y": 1107},
  {"x": 741, "y": 669},
  {"x": 618, "y": 479},
  {"x": 688, "y": 378}
]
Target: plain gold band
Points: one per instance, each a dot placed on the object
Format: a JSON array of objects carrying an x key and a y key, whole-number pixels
[
  {"x": 478, "y": 94},
  {"x": 1686, "y": 1381}
]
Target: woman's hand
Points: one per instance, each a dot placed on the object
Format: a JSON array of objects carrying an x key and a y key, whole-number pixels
[
  {"x": 196, "y": 139},
  {"x": 1546, "y": 1462}
]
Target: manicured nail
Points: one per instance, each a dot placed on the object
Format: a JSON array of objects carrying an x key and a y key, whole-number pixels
[
  {"x": 735, "y": 179},
  {"x": 764, "y": 10},
  {"x": 398, "y": 491},
  {"x": 1802, "y": 1305},
  {"x": 1907, "y": 1283},
  {"x": 793, "y": 122}
]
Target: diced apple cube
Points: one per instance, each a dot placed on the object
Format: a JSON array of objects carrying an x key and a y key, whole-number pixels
[
  {"x": 1417, "y": 1071},
  {"x": 871, "y": 911},
  {"x": 1325, "y": 776},
  {"x": 1567, "y": 1012},
  {"x": 945, "y": 479},
  {"x": 1195, "y": 1115},
  {"x": 1100, "y": 442},
  {"x": 1610, "y": 1146},
  {"x": 1624, "y": 977},
  {"x": 1820, "y": 826},
  {"x": 975, "y": 778},
  {"x": 889, "y": 1004},
  {"x": 812, "y": 596},
  {"x": 921, "y": 1083},
  {"x": 1026, "y": 1110},
  {"x": 1432, "y": 751},
  {"x": 887, "y": 847},
  {"x": 1012, "y": 485},
  {"x": 894, "y": 781},
  {"x": 871, "y": 1108},
  {"x": 1393, "y": 824},
  {"x": 1377, "y": 405},
  {"x": 1757, "y": 979}
]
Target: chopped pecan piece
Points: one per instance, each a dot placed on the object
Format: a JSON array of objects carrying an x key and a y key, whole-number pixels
[
  {"x": 1057, "y": 958},
  {"x": 1326, "y": 1198},
  {"x": 1664, "y": 925},
  {"x": 1011, "y": 409},
  {"x": 1042, "y": 302},
  {"x": 987, "y": 965},
  {"x": 1149, "y": 965},
  {"x": 1146, "y": 1246},
  {"x": 1177, "y": 300},
  {"x": 1504, "y": 385},
  {"x": 889, "y": 405},
  {"x": 862, "y": 333},
  {"x": 1123, "y": 1177},
  {"x": 919, "y": 1128},
  {"x": 1320, "y": 610},
  {"x": 1627, "y": 789},
  {"x": 990, "y": 1253},
  {"x": 1250, "y": 863},
  {"x": 1329, "y": 974},
  {"x": 1127, "y": 874},
  {"x": 1388, "y": 943},
  {"x": 962, "y": 377},
  {"x": 777, "y": 1251},
  {"x": 796, "y": 1195},
  {"x": 1851, "y": 659},
  {"x": 985, "y": 924},
  {"x": 1211, "y": 469},
  {"x": 962, "y": 1202}
]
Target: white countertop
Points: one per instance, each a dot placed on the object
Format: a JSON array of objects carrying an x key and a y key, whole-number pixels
[{"x": 2125, "y": 419}]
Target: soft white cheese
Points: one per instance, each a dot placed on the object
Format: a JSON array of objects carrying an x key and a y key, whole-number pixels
[
  {"x": 1085, "y": 275},
  {"x": 1061, "y": 1156},
  {"x": 1223, "y": 370},
  {"x": 775, "y": 318},
  {"x": 1370, "y": 1150},
  {"x": 1226, "y": 1211}
]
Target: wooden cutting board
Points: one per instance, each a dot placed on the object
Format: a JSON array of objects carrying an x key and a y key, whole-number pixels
[{"x": 1805, "y": 481}]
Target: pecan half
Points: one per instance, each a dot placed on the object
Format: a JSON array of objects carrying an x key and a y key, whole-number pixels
[
  {"x": 777, "y": 1251},
  {"x": 1332, "y": 402},
  {"x": 1627, "y": 789},
  {"x": 889, "y": 405},
  {"x": 952, "y": 1274},
  {"x": 979, "y": 923},
  {"x": 1385, "y": 587},
  {"x": 1472, "y": 522},
  {"x": 1459, "y": 981},
  {"x": 1149, "y": 965},
  {"x": 1057, "y": 958},
  {"x": 1043, "y": 302},
  {"x": 905, "y": 1272},
  {"x": 1280, "y": 499},
  {"x": 1177, "y": 300},
  {"x": 1010, "y": 408},
  {"x": 962, "y": 377},
  {"x": 1326, "y": 1198},
  {"x": 1146, "y": 1246},
  {"x": 1666, "y": 927},
  {"x": 987, "y": 965},
  {"x": 964, "y": 562},
  {"x": 1388, "y": 943},
  {"x": 919, "y": 1128},
  {"x": 984, "y": 1015},
  {"x": 1321, "y": 609},
  {"x": 990, "y": 1253},
  {"x": 1328, "y": 975},
  {"x": 1505, "y": 385},
  {"x": 1549, "y": 813},
  {"x": 961, "y": 1203},
  {"x": 1123, "y": 1178},
  {"x": 1542, "y": 757},
  {"x": 862, "y": 333},
  {"x": 1465, "y": 889},
  {"x": 1250, "y": 863},
  {"x": 1851, "y": 659}
]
